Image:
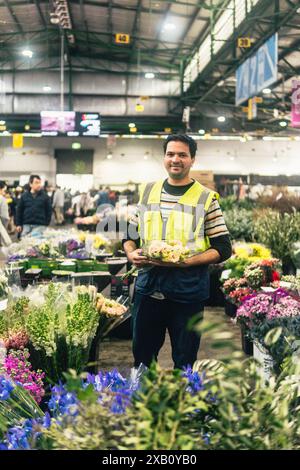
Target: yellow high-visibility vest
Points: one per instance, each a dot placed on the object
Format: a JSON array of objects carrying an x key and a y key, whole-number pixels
[{"x": 186, "y": 220}]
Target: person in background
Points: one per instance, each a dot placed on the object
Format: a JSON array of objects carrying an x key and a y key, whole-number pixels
[
  {"x": 58, "y": 205},
  {"x": 112, "y": 197},
  {"x": 102, "y": 196},
  {"x": 34, "y": 209},
  {"x": 4, "y": 214}
]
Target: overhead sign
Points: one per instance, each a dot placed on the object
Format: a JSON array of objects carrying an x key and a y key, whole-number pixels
[
  {"x": 244, "y": 42},
  {"x": 295, "y": 103},
  {"x": 121, "y": 38},
  {"x": 257, "y": 72},
  {"x": 17, "y": 141}
]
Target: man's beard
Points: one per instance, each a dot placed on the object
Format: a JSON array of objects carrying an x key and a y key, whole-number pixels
[{"x": 177, "y": 176}]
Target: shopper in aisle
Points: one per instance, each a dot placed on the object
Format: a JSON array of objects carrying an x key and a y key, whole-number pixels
[
  {"x": 4, "y": 214},
  {"x": 58, "y": 205},
  {"x": 102, "y": 196},
  {"x": 168, "y": 295},
  {"x": 34, "y": 209}
]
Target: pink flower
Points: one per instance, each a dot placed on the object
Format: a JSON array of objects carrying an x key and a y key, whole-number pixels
[
  {"x": 16, "y": 339},
  {"x": 18, "y": 367}
]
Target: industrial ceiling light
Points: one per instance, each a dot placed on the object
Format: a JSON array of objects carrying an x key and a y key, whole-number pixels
[
  {"x": 283, "y": 123},
  {"x": 47, "y": 88},
  {"x": 27, "y": 53},
  {"x": 2, "y": 123},
  {"x": 54, "y": 19},
  {"x": 109, "y": 156},
  {"x": 201, "y": 131},
  {"x": 169, "y": 26},
  {"x": 266, "y": 91},
  {"x": 221, "y": 118},
  {"x": 131, "y": 125},
  {"x": 76, "y": 145},
  {"x": 149, "y": 75}
]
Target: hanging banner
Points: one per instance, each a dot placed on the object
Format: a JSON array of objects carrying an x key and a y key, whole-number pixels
[
  {"x": 295, "y": 103},
  {"x": 257, "y": 72},
  {"x": 17, "y": 141}
]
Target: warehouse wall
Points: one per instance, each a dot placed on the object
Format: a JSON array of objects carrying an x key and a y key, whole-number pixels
[{"x": 128, "y": 163}]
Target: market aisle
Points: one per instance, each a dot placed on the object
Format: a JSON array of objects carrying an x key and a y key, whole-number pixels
[{"x": 117, "y": 353}]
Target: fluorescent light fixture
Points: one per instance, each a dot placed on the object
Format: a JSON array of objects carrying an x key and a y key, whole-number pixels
[
  {"x": 27, "y": 53},
  {"x": 131, "y": 125},
  {"x": 47, "y": 88},
  {"x": 221, "y": 118},
  {"x": 169, "y": 26},
  {"x": 149, "y": 75},
  {"x": 266, "y": 91},
  {"x": 76, "y": 145},
  {"x": 283, "y": 123}
]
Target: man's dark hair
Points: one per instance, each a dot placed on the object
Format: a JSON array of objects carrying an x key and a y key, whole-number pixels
[
  {"x": 182, "y": 138},
  {"x": 2, "y": 184},
  {"x": 32, "y": 177}
]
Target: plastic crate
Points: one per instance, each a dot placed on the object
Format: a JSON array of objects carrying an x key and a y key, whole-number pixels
[
  {"x": 46, "y": 265},
  {"x": 85, "y": 266}
]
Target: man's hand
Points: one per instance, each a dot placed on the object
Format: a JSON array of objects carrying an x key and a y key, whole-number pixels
[
  {"x": 19, "y": 229},
  {"x": 136, "y": 258}
]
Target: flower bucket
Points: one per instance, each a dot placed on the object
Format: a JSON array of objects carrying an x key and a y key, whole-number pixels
[
  {"x": 3, "y": 304},
  {"x": 230, "y": 309},
  {"x": 266, "y": 362},
  {"x": 247, "y": 343}
]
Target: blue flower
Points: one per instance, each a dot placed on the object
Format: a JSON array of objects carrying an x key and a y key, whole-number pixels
[
  {"x": 6, "y": 387},
  {"x": 195, "y": 380},
  {"x": 17, "y": 437},
  {"x": 62, "y": 402}
]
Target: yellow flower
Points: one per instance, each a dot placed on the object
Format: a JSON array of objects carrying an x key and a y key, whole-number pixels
[
  {"x": 252, "y": 251},
  {"x": 82, "y": 236}
]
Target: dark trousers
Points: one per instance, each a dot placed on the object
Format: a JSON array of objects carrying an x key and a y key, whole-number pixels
[{"x": 152, "y": 318}]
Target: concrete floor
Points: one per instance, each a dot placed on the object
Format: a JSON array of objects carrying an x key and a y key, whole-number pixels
[{"x": 117, "y": 353}]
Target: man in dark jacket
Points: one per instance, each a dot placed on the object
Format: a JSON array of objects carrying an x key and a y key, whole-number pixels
[{"x": 34, "y": 209}]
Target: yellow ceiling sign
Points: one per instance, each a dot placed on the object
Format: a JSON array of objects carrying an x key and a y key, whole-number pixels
[
  {"x": 258, "y": 99},
  {"x": 122, "y": 38},
  {"x": 133, "y": 129},
  {"x": 17, "y": 141},
  {"x": 244, "y": 42},
  {"x": 139, "y": 108}
]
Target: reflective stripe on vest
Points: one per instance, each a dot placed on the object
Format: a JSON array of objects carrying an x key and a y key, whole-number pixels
[{"x": 186, "y": 219}]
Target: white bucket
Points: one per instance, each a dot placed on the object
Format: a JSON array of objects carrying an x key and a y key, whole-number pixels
[
  {"x": 3, "y": 304},
  {"x": 266, "y": 362}
]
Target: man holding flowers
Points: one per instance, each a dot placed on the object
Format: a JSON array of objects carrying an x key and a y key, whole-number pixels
[{"x": 177, "y": 232}]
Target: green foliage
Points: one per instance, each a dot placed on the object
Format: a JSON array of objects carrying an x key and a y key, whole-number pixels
[
  {"x": 231, "y": 202},
  {"x": 237, "y": 266},
  {"x": 239, "y": 223},
  {"x": 252, "y": 415},
  {"x": 278, "y": 232}
]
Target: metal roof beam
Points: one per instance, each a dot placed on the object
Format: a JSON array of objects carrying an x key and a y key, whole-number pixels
[{"x": 13, "y": 16}]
